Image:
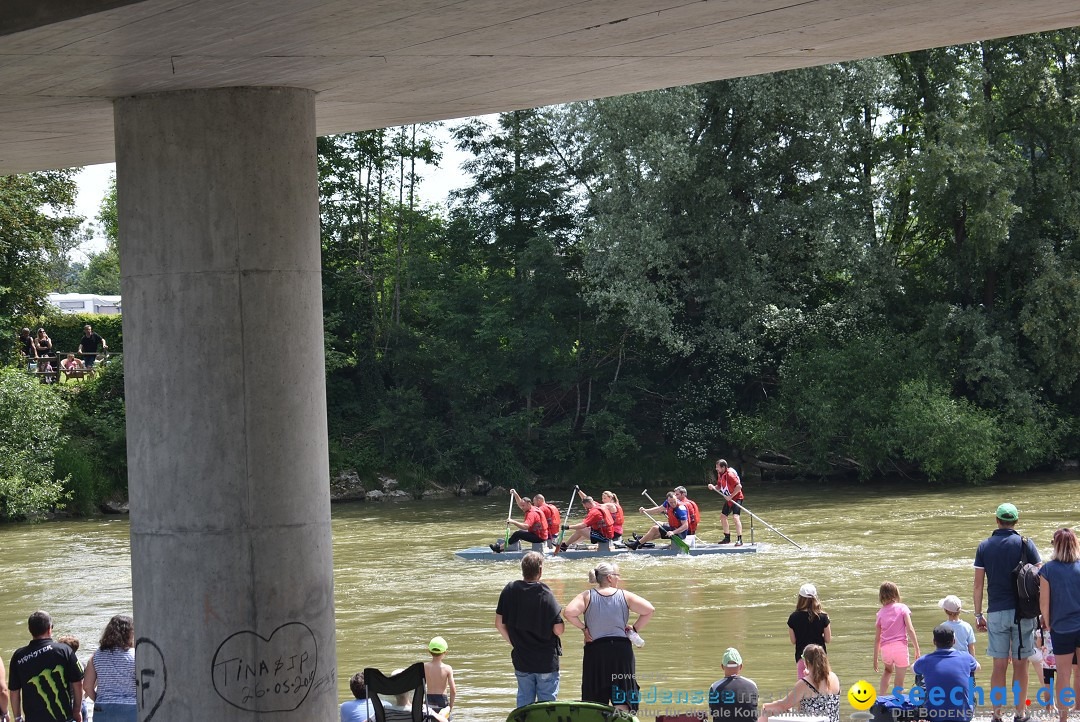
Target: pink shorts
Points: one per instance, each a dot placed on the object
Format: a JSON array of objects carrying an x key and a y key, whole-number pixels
[
  {"x": 800, "y": 669},
  {"x": 895, "y": 654}
]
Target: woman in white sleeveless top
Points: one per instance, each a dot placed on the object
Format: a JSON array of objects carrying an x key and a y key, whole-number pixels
[
  {"x": 110, "y": 674},
  {"x": 608, "y": 668}
]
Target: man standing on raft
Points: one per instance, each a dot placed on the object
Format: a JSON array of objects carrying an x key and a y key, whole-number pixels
[{"x": 729, "y": 486}]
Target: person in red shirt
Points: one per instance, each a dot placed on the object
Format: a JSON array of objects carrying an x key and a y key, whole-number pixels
[
  {"x": 611, "y": 502},
  {"x": 551, "y": 515},
  {"x": 597, "y": 520},
  {"x": 692, "y": 512},
  {"x": 533, "y": 529},
  {"x": 729, "y": 486}
]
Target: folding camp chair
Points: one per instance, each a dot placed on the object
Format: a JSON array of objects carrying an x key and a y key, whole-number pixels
[{"x": 408, "y": 680}]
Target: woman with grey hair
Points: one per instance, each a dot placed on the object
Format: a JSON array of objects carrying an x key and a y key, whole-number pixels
[{"x": 603, "y": 614}]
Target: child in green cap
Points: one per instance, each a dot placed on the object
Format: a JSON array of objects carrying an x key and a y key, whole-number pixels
[{"x": 440, "y": 679}]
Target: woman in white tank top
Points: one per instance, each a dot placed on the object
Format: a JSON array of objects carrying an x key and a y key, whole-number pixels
[{"x": 110, "y": 674}]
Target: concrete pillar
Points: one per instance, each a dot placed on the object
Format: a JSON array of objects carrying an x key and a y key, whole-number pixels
[{"x": 232, "y": 571}]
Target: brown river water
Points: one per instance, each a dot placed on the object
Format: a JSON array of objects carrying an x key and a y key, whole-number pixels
[{"x": 394, "y": 593}]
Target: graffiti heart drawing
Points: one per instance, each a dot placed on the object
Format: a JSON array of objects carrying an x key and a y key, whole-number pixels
[
  {"x": 152, "y": 678},
  {"x": 266, "y": 674}
]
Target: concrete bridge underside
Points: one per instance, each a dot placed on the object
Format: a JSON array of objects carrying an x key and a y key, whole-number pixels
[{"x": 211, "y": 109}]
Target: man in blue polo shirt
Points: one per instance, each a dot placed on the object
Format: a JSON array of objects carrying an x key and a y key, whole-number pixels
[
  {"x": 1007, "y": 637},
  {"x": 946, "y": 676}
]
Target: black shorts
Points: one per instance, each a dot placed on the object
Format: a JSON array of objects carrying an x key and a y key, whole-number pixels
[
  {"x": 521, "y": 535},
  {"x": 1048, "y": 675},
  {"x": 731, "y": 509},
  {"x": 665, "y": 532}
]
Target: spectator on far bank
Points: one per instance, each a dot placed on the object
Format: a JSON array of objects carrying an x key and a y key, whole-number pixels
[
  {"x": 27, "y": 347},
  {"x": 89, "y": 345}
]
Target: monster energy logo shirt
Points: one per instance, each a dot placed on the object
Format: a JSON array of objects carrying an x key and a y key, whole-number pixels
[{"x": 43, "y": 671}]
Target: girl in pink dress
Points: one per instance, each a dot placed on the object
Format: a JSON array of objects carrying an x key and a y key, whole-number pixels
[{"x": 894, "y": 631}]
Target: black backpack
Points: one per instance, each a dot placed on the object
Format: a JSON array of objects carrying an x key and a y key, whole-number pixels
[{"x": 1026, "y": 575}]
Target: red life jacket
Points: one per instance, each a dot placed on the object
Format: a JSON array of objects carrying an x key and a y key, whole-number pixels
[
  {"x": 693, "y": 515},
  {"x": 599, "y": 520},
  {"x": 554, "y": 519},
  {"x": 619, "y": 519},
  {"x": 672, "y": 519},
  {"x": 536, "y": 523},
  {"x": 728, "y": 481}
]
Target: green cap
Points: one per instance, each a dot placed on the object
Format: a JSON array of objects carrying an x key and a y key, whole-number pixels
[
  {"x": 437, "y": 645},
  {"x": 1007, "y": 512},
  {"x": 732, "y": 658}
]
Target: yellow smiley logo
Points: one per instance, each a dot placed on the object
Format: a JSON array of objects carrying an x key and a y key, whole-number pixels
[{"x": 862, "y": 695}]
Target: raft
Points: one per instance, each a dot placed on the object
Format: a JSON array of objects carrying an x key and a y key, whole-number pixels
[
  {"x": 484, "y": 554},
  {"x": 569, "y": 712}
]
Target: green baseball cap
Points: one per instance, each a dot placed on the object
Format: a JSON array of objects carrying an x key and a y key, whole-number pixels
[
  {"x": 732, "y": 658},
  {"x": 1007, "y": 512},
  {"x": 437, "y": 645}
]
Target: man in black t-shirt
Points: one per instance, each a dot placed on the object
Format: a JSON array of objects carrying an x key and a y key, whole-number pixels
[
  {"x": 734, "y": 697},
  {"x": 89, "y": 345},
  {"x": 43, "y": 675},
  {"x": 529, "y": 618}
]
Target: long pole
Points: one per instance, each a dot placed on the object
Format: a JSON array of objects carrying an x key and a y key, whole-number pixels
[
  {"x": 566, "y": 521},
  {"x": 755, "y": 516}
]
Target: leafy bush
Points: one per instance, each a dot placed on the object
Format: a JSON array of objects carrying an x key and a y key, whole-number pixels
[
  {"x": 30, "y": 418},
  {"x": 873, "y": 405},
  {"x": 833, "y": 407},
  {"x": 948, "y": 438},
  {"x": 93, "y": 452}
]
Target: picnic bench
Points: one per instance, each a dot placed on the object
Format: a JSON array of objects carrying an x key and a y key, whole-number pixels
[{"x": 36, "y": 366}]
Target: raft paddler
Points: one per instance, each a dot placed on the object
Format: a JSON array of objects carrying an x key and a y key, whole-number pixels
[
  {"x": 609, "y": 501},
  {"x": 678, "y": 522},
  {"x": 692, "y": 512},
  {"x": 533, "y": 530},
  {"x": 729, "y": 485},
  {"x": 551, "y": 515},
  {"x": 597, "y": 520}
]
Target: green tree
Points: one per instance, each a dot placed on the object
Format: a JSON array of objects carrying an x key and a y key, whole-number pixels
[
  {"x": 729, "y": 221},
  {"x": 35, "y": 223}
]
